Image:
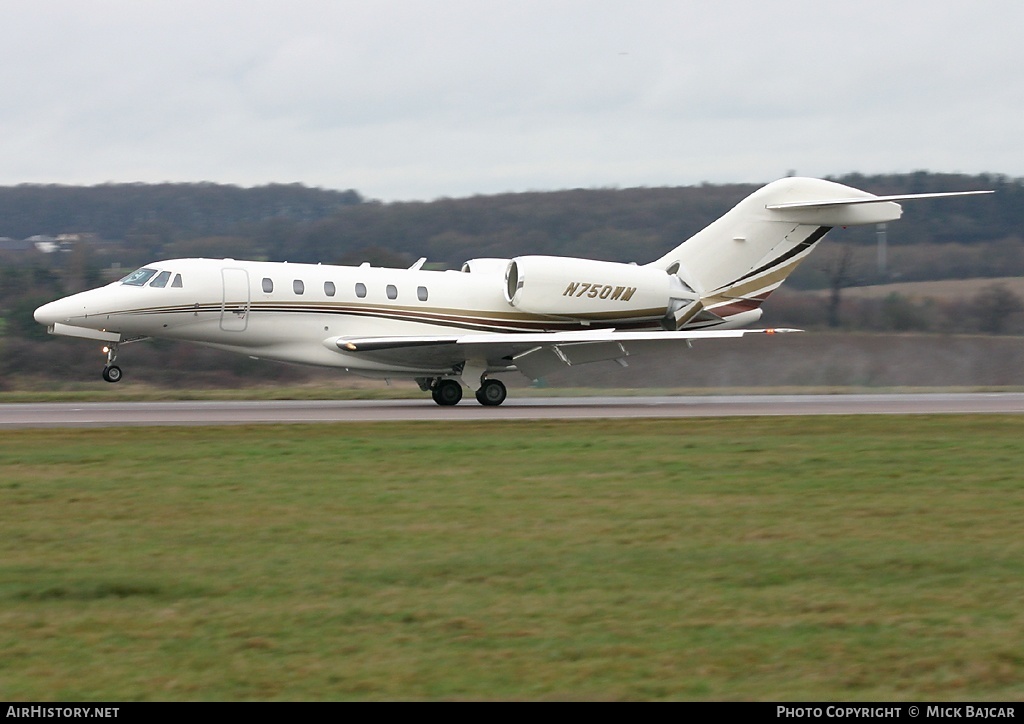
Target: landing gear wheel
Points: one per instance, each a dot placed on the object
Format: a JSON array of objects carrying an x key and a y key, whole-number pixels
[
  {"x": 112, "y": 373},
  {"x": 491, "y": 393},
  {"x": 447, "y": 392}
]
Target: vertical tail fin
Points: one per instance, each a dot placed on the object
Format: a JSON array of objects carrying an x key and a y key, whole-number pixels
[{"x": 741, "y": 258}]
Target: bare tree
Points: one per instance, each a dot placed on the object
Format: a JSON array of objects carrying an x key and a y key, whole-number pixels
[
  {"x": 839, "y": 271},
  {"x": 993, "y": 306}
]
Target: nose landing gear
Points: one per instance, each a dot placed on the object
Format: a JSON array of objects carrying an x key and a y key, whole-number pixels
[{"x": 111, "y": 372}]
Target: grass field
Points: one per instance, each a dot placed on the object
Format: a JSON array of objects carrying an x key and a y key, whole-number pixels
[
  {"x": 809, "y": 558},
  {"x": 944, "y": 289}
]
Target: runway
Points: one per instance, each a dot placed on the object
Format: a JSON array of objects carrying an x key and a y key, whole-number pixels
[{"x": 117, "y": 414}]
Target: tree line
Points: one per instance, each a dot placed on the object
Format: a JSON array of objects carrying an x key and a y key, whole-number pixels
[{"x": 301, "y": 224}]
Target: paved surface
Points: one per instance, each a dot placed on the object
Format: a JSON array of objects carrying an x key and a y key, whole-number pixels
[{"x": 113, "y": 414}]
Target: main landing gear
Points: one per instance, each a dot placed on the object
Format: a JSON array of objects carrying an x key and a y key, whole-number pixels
[
  {"x": 111, "y": 373},
  {"x": 491, "y": 393},
  {"x": 447, "y": 392}
]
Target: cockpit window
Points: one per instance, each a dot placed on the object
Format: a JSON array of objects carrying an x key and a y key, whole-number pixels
[
  {"x": 177, "y": 281},
  {"x": 161, "y": 279},
  {"x": 139, "y": 277}
]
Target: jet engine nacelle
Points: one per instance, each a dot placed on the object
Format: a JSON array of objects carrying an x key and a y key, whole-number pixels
[
  {"x": 485, "y": 265},
  {"x": 586, "y": 289}
]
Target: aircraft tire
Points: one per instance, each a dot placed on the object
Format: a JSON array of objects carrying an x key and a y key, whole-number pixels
[
  {"x": 112, "y": 373},
  {"x": 447, "y": 393},
  {"x": 491, "y": 393}
]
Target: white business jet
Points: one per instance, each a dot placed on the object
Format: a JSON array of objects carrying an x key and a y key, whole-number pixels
[{"x": 453, "y": 329}]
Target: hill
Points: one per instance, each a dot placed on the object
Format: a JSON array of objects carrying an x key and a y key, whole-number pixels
[
  {"x": 300, "y": 224},
  {"x": 173, "y": 211}
]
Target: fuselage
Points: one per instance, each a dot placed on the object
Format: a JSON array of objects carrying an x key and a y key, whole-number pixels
[{"x": 297, "y": 312}]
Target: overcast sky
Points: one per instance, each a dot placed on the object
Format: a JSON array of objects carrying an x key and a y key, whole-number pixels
[{"x": 418, "y": 99}]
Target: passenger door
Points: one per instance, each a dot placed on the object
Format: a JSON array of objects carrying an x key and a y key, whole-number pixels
[{"x": 234, "y": 312}]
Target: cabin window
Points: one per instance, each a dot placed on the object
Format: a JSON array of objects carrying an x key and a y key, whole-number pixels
[
  {"x": 329, "y": 289},
  {"x": 392, "y": 291},
  {"x": 161, "y": 279},
  {"x": 139, "y": 277},
  {"x": 298, "y": 287},
  {"x": 177, "y": 281},
  {"x": 360, "y": 290},
  {"x": 421, "y": 293},
  {"x": 268, "y": 285}
]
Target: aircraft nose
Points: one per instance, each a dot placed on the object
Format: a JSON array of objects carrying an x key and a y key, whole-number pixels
[
  {"x": 45, "y": 314},
  {"x": 54, "y": 312}
]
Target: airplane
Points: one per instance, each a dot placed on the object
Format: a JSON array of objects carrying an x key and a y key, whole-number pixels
[{"x": 450, "y": 330}]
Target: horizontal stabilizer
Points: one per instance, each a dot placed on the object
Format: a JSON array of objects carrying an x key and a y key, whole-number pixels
[{"x": 868, "y": 200}]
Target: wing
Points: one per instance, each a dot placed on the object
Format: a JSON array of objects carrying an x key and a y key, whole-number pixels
[{"x": 533, "y": 354}]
